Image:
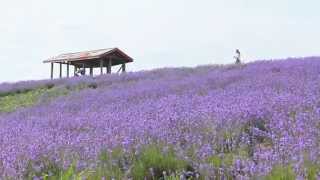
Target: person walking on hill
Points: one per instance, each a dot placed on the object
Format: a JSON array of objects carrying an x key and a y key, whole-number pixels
[{"x": 238, "y": 57}]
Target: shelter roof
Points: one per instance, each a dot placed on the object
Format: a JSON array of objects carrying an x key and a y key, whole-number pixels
[{"x": 89, "y": 55}]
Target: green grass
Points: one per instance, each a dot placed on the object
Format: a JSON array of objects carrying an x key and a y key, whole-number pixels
[
  {"x": 312, "y": 170},
  {"x": 154, "y": 157},
  {"x": 110, "y": 165},
  {"x": 12, "y": 102},
  {"x": 15, "y": 101},
  {"x": 151, "y": 162},
  {"x": 51, "y": 94},
  {"x": 222, "y": 162},
  {"x": 281, "y": 173},
  {"x": 116, "y": 165}
]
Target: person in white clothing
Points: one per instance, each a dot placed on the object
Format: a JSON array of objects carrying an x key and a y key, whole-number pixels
[{"x": 80, "y": 72}]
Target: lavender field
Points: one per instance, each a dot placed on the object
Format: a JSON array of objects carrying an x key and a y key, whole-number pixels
[{"x": 255, "y": 121}]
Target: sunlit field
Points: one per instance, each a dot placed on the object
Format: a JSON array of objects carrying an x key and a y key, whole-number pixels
[{"x": 253, "y": 121}]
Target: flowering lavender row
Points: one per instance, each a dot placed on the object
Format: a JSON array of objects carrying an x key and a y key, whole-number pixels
[{"x": 268, "y": 109}]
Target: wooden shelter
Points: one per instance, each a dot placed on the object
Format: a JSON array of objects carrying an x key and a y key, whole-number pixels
[{"x": 102, "y": 58}]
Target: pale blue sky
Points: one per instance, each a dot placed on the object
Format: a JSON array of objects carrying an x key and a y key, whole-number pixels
[{"x": 156, "y": 33}]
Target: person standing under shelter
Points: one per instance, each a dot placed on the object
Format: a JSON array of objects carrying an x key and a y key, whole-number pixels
[
  {"x": 238, "y": 57},
  {"x": 80, "y": 72}
]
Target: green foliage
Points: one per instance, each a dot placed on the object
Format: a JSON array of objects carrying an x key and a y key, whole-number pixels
[
  {"x": 24, "y": 98},
  {"x": 48, "y": 170},
  {"x": 281, "y": 173},
  {"x": 10, "y": 101},
  {"x": 228, "y": 159},
  {"x": 28, "y": 98},
  {"x": 312, "y": 170},
  {"x": 228, "y": 139},
  {"x": 68, "y": 174},
  {"x": 53, "y": 93},
  {"x": 110, "y": 165},
  {"x": 138, "y": 170},
  {"x": 19, "y": 91},
  {"x": 215, "y": 161},
  {"x": 172, "y": 177},
  {"x": 48, "y": 85},
  {"x": 116, "y": 164},
  {"x": 13, "y": 101},
  {"x": 225, "y": 162},
  {"x": 42, "y": 167},
  {"x": 152, "y": 157}
]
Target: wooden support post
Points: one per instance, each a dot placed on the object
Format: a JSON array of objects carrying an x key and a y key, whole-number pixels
[
  {"x": 74, "y": 70},
  {"x": 68, "y": 70},
  {"x": 101, "y": 66},
  {"x": 51, "y": 71},
  {"x": 123, "y": 67},
  {"x": 109, "y": 66},
  {"x": 60, "y": 74},
  {"x": 91, "y": 71},
  {"x": 84, "y": 69}
]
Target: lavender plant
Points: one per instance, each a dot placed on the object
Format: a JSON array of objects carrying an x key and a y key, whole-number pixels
[{"x": 235, "y": 122}]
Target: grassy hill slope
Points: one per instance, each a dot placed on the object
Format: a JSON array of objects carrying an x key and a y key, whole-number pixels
[{"x": 259, "y": 120}]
